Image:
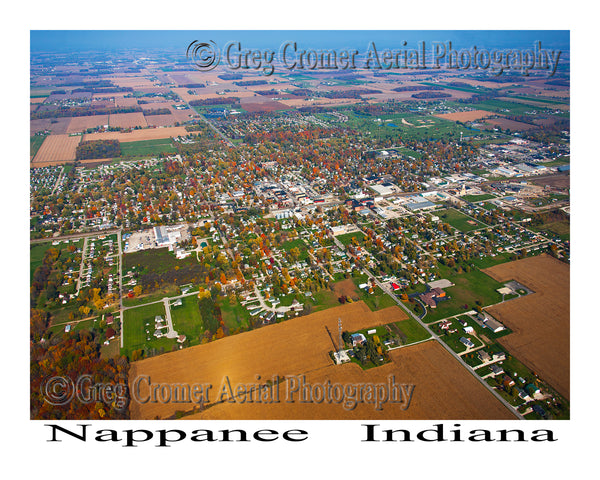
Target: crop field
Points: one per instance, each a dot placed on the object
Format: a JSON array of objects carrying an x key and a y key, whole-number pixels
[
  {"x": 160, "y": 120},
  {"x": 539, "y": 321},
  {"x": 443, "y": 390},
  {"x": 81, "y": 124},
  {"x": 138, "y": 135},
  {"x": 300, "y": 347},
  {"x": 127, "y": 120},
  {"x": 56, "y": 126},
  {"x": 469, "y": 116},
  {"x": 57, "y": 149},
  {"x": 505, "y": 123}
]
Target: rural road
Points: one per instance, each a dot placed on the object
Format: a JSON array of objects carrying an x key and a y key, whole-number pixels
[{"x": 443, "y": 344}]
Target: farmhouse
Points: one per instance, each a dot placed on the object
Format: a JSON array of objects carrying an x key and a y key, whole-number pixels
[
  {"x": 467, "y": 342},
  {"x": 358, "y": 339}
]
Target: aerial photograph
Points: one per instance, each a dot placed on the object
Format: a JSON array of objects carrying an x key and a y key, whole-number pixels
[{"x": 299, "y": 225}]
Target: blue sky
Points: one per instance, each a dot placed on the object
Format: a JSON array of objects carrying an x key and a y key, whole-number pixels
[{"x": 106, "y": 40}]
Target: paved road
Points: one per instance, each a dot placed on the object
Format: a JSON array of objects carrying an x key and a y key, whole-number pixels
[{"x": 443, "y": 344}]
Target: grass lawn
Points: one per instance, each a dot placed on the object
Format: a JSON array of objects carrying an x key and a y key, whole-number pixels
[
  {"x": 459, "y": 220},
  {"x": 187, "y": 319},
  {"x": 468, "y": 289},
  {"x": 83, "y": 325},
  {"x": 453, "y": 341},
  {"x": 147, "y": 147},
  {"x": 168, "y": 291},
  {"x": 413, "y": 330},
  {"x": 35, "y": 142},
  {"x": 346, "y": 238},
  {"x": 477, "y": 198},
  {"x": 486, "y": 262},
  {"x": 560, "y": 228},
  {"x": 322, "y": 300},
  {"x": 134, "y": 330},
  {"x": 300, "y": 245},
  {"x": 234, "y": 316}
]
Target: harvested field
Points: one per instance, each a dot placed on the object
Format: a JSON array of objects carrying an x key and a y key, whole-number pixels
[
  {"x": 443, "y": 390},
  {"x": 80, "y": 124},
  {"x": 126, "y": 102},
  {"x": 300, "y": 347},
  {"x": 57, "y": 149},
  {"x": 265, "y": 106},
  {"x": 504, "y": 123},
  {"x": 558, "y": 180},
  {"x": 539, "y": 321},
  {"x": 160, "y": 120},
  {"x": 127, "y": 120},
  {"x": 137, "y": 135},
  {"x": 465, "y": 116},
  {"x": 134, "y": 81},
  {"x": 56, "y": 126}
]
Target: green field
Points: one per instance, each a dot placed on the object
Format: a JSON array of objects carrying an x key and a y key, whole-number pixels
[
  {"x": 134, "y": 330},
  {"x": 147, "y": 147},
  {"x": 459, "y": 220},
  {"x": 235, "y": 316},
  {"x": 376, "y": 300},
  {"x": 346, "y": 238},
  {"x": 299, "y": 244},
  {"x": 35, "y": 142},
  {"x": 469, "y": 288},
  {"x": 477, "y": 198},
  {"x": 413, "y": 330},
  {"x": 187, "y": 320}
]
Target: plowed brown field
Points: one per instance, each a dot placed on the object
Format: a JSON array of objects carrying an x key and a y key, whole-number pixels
[
  {"x": 443, "y": 388},
  {"x": 470, "y": 116},
  {"x": 137, "y": 135},
  {"x": 57, "y": 149},
  {"x": 539, "y": 321}
]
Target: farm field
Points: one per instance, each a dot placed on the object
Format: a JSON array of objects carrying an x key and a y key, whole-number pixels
[
  {"x": 148, "y": 147},
  {"x": 443, "y": 390},
  {"x": 539, "y": 321},
  {"x": 138, "y": 135},
  {"x": 505, "y": 123},
  {"x": 127, "y": 120},
  {"x": 57, "y": 149},
  {"x": 300, "y": 346},
  {"x": 81, "y": 124},
  {"x": 469, "y": 116}
]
